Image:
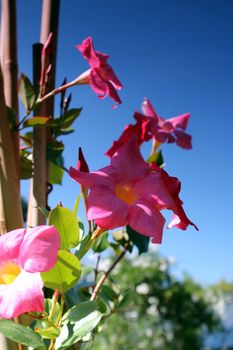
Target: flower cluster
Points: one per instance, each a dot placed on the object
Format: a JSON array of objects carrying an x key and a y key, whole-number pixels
[
  {"x": 150, "y": 125},
  {"x": 131, "y": 192}
]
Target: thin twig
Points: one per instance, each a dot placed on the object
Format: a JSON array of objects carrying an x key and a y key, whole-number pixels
[
  {"x": 97, "y": 267},
  {"x": 107, "y": 273},
  {"x": 51, "y": 345},
  {"x": 56, "y": 91}
]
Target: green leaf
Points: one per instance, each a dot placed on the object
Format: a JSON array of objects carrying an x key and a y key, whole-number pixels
[
  {"x": 66, "y": 131},
  {"x": 44, "y": 211},
  {"x": 107, "y": 293},
  {"x": 156, "y": 157},
  {"x": 54, "y": 150},
  {"x": 26, "y": 93},
  {"x": 80, "y": 311},
  {"x": 36, "y": 121},
  {"x": 72, "y": 333},
  {"x": 65, "y": 274},
  {"x": 63, "y": 124},
  {"x": 85, "y": 245},
  {"x": 126, "y": 299},
  {"x": 12, "y": 118},
  {"x": 51, "y": 332},
  {"x": 28, "y": 138},
  {"x": 141, "y": 242},
  {"x": 121, "y": 237},
  {"x": 21, "y": 334},
  {"x": 67, "y": 225},
  {"x": 69, "y": 117},
  {"x": 76, "y": 204},
  {"x": 25, "y": 167},
  {"x": 55, "y": 174},
  {"x": 101, "y": 243}
]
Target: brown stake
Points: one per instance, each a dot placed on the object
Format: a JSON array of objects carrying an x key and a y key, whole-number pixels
[{"x": 38, "y": 188}]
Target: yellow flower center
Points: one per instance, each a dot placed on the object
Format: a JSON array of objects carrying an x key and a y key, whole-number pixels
[
  {"x": 8, "y": 272},
  {"x": 126, "y": 193}
]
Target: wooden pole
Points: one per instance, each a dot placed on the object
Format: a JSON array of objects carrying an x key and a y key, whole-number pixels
[
  {"x": 10, "y": 203},
  {"x": 8, "y": 174},
  {"x": 38, "y": 188},
  {"x": 10, "y": 63}
]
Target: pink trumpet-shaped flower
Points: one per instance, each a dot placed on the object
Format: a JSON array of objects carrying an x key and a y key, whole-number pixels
[
  {"x": 127, "y": 192},
  {"x": 166, "y": 130},
  {"x": 173, "y": 185},
  {"x": 101, "y": 76},
  {"x": 24, "y": 254},
  {"x": 150, "y": 125}
]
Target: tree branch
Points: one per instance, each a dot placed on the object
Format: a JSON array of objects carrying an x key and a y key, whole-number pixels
[{"x": 107, "y": 273}]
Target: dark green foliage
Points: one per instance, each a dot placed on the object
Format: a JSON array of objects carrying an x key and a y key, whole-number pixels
[
  {"x": 166, "y": 313},
  {"x": 140, "y": 241}
]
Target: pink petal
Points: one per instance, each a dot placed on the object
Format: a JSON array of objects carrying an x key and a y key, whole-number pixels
[
  {"x": 100, "y": 177},
  {"x": 138, "y": 130},
  {"x": 158, "y": 133},
  {"x": 102, "y": 87},
  {"x": 153, "y": 190},
  {"x": 10, "y": 245},
  {"x": 88, "y": 52},
  {"x": 114, "y": 95},
  {"x": 180, "y": 218},
  {"x": 38, "y": 251},
  {"x": 83, "y": 78},
  {"x": 180, "y": 122},
  {"x": 128, "y": 162},
  {"x": 149, "y": 111},
  {"x": 98, "y": 84},
  {"x": 147, "y": 221},
  {"x": 128, "y": 132},
  {"x": 106, "y": 209},
  {"x": 183, "y": 140},
  {"x": 108, "y": 74},
  {"x": 23, "y": 295},
  {"x": 82, "y": 164},
  {"x": 176, "y": 222}
]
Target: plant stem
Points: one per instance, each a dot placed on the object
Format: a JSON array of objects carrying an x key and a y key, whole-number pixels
[
  {"x": 107, "y": 273},
  {"x": 58, "y": 320},
  {"x": 154, "y": 147},
  {"x": 55, "y": 92},
  {"x": 97, "y": 267},
  {"x": 51, "y": 345},
  {"x": 54, "y": 302}
]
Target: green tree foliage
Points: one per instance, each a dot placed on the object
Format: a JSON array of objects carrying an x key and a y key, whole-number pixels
[{"x": 164, "y": 313}]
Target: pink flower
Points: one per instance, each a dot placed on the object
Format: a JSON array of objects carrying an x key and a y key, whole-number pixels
[
  {"x": 127, "y": 192},
  {"x": 173, "y": 185},
  {"x": 101, "y": 76},
  {"x": 166, "y": 130},
  {"x": 24, "y": 254},
  {"x": 139, "y": 130},
  {"x": 150, "y": 125}
]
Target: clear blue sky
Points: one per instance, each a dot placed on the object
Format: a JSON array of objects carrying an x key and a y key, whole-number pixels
[{"x": 179, "y": 54}]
